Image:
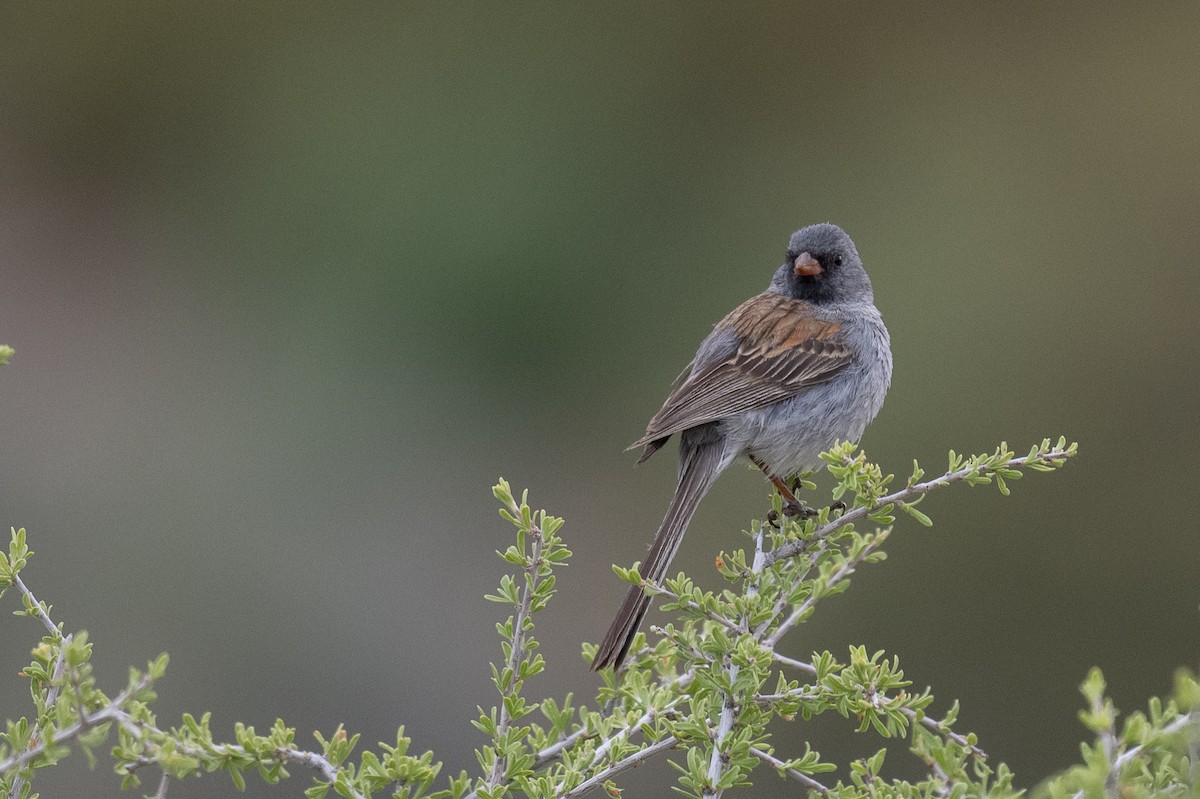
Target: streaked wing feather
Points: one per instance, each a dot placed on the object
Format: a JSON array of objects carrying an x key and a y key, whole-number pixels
[{"x": 785, "y": 349}]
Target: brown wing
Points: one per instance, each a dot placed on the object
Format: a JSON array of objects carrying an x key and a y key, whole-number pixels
[{"x": 782, "y": 348}]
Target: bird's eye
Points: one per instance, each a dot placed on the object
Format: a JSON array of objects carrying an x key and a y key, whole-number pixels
[{"x": 837, "y": 260}]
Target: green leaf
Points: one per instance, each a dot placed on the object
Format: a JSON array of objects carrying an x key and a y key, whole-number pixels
[{"x": 916, "y": 514}]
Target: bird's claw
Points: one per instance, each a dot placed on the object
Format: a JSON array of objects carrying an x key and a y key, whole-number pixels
[{"x": 794, "y": 509}]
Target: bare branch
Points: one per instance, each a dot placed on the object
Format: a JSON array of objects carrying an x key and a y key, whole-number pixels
[{"x": 799, "y": 665}]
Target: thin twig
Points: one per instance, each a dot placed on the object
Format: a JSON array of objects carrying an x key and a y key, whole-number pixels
[
  {"x": 70, "y": 733},
  {"x": 800, "y": 694},
  {"x": 718, "y": 761},
  {"x": 941, "y": 777},
  {"x": 688, "y": 604},
  {"x": 516, "y": 654},
  {"x": 551, "y": 752},
  {"x": 1108, "y": 742},
  {"x": 941, "y": 728},
  {"x": 801, "y": 575},
  {"x": 38, "y": 609},
  {"x": 799, "y": 665},
  {"x": 625, "y": 733},
  {"x": 679, "y": 684},
  {"x": 794, "y": 548},
  {"x": 845, "y": 570},
  {"x": 1174, "y": 727},
  {"x": 314, "y": 761},
  {"x": 633, "y": 759},
  {"x": 806, "y": 694},
  {"x": 49, "y": 698},
  {"x": 798, "y": 776}
]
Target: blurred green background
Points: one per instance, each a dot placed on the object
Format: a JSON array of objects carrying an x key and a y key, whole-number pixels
[{"x": 290, "y": 286}]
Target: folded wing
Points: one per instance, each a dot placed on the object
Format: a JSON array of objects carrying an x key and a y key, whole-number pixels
[{"x": 781, "y": 349}]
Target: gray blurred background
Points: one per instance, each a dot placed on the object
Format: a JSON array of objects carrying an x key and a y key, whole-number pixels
[{"x": 291, "y": 286}]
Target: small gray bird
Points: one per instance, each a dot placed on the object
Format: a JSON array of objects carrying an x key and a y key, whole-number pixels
[{"x": 781, "y": 379}]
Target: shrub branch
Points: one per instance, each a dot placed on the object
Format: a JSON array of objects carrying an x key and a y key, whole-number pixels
[{"x": 706, "y": 685}]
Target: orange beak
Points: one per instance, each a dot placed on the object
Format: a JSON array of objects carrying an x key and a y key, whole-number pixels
[{"x": 806, "y": 266}]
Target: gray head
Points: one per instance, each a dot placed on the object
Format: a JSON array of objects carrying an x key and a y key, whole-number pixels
[{"x": 822, "y": 266}]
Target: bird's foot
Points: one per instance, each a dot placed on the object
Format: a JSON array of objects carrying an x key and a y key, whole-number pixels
[
  {"x": 795, "y": 509},
  {"x": 838, "y": 506}
]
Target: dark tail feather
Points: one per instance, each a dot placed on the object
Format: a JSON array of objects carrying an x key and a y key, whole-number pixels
[{"x": 696, "y": 475}]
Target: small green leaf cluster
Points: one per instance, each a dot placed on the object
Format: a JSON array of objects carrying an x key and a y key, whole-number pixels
[
  {"x": 510, "y": 757},
  {"x": 1000, "y": 466},
  {"x": 860, "y": 478},
  {"x": 11, "y": 564},
  {"x": 392, "y": 770},
  {"x": 1156, "y": 753},
  {"x": 69, "y": 708},
  {"x": 190, "y": 749},
  {"x": 950, "y": 774}
]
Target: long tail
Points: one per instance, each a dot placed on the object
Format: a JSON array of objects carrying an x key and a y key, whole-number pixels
[{"x": 700, "y": 466}]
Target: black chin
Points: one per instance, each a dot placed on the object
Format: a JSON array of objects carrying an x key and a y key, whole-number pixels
[{"x": 814, "y": 289}]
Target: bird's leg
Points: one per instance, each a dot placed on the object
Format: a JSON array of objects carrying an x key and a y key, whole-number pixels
[{"x": 791, "y": 506}]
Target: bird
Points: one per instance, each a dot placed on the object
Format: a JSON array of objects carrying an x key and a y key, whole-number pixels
[{"x": 783, "y": 377}]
